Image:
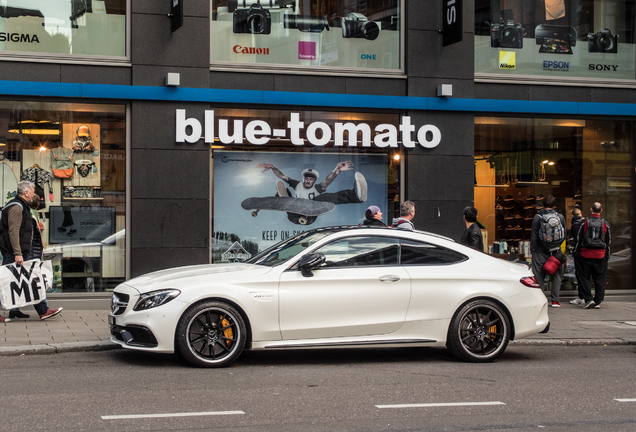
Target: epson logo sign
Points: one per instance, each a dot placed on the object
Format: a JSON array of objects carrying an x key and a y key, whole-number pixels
[
  {"x": 320, "y": 134},
  {"x": 556, "y": 65}
]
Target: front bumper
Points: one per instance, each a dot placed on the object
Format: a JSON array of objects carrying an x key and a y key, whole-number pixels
[{"x": 134, "y": 336}]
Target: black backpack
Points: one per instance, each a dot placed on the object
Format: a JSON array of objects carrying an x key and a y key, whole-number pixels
[
  {"x": 551, "y": 230},
  {"x": 594, "y": 237}
]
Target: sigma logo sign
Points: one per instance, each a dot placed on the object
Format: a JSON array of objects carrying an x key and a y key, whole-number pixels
[
  {"x": 556, "y": 66},
  {"x": 18, "y": 37},
  {"x": 603, "y": 67},
  {"x": 319, "y": 134},
  {"x": 507, "y": 60},
  {"x": 238, "y": 49}
]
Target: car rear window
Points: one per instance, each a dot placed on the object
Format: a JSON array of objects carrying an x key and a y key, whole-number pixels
[{"x": 419, "y": 253}]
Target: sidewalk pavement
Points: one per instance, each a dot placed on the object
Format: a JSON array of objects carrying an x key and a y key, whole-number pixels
[{"x": 87, "y": 330}]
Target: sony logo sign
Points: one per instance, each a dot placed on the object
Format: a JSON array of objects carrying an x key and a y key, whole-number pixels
[
  {"x": 259, "y": 132},
  {"x": 451, "y": 12},
  {"x": 602, "y": 67}
]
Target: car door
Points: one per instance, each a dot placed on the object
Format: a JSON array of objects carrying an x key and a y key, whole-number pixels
[{"x": 360, "y": 291}]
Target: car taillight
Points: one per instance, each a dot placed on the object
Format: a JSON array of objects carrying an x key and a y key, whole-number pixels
[{"x": 529, "y": 281}]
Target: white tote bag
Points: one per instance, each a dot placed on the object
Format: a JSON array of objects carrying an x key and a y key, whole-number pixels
[{"x": 26, "y": 284}]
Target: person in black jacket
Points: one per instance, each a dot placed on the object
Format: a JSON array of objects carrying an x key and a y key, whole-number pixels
[
  {"x": 16, "y": 236},
  {"x": 472, "y": 236},
  {"x": 373, "y": 216}
]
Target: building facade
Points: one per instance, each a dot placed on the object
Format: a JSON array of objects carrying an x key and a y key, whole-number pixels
[{"x": 160, "y": 133}]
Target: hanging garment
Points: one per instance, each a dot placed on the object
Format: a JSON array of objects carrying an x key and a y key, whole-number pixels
[
  {"x": 84, "y": 167},
  {"x": 554, "y": 9}
]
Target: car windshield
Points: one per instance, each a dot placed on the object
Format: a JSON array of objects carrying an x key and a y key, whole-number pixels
[{"x": 287, "y": 249}]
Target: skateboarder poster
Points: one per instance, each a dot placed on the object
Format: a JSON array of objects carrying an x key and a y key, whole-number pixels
[{"x": 261, "y": 198}]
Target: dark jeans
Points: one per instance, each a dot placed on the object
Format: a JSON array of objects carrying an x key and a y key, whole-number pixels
[
  {"x": 8, "y": 258},
  {"x": 596, "y": 270},
  {"x": 347, "y": 196},
  {"x": 538, "y": 260}
]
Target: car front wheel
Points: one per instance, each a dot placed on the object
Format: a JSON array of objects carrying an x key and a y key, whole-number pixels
[
  {"x": 479, "y": 332},
  {"x": 211, "y": 334}
]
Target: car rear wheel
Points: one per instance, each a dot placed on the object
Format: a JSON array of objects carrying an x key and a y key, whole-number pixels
[
  {"x": 479, "y": 332},
  {"x": 211, "y": 334}
]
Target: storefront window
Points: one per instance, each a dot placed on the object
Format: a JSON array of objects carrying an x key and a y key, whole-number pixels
[
  {"x": 348, "y": 35},
  {"x": 555, "y": 38},
  {"x": 261, "y": 193},
  {"x": 519, "y": 161},
  {"x": 73, "y": 27},
  {"x": 75, "y": 155}
]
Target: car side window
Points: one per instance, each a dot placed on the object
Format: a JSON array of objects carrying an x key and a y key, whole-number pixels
[
  {"x": 419, "y": 253},
  {"x": 361, "y": 251}
]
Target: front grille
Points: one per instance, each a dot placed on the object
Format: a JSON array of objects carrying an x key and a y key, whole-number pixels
[{"x": 119, "y": 303}]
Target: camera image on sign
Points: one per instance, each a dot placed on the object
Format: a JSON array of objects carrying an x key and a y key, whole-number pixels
[
  {"x": 506, "y": 35},
  {"x": 602, "y": 42}
]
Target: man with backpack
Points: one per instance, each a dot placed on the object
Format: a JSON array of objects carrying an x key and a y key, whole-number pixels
[
  {"x": 546, "y": 237},
  {"x": 591, "y": 256}
]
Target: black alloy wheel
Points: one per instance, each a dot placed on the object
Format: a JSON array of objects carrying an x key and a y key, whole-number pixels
[
  {"x": 479, "y": 332},
  {"x": 211, "y": 334}
]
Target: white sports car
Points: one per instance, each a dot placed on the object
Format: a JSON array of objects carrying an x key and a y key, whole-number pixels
[{"x": 334, "y": 287}]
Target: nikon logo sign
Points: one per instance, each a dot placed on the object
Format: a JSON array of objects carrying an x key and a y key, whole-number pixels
[
  {"x": 507, "y": 60},
  {"x": 320, "y": 134}
]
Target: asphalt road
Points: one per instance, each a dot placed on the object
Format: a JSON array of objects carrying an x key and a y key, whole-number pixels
[{"x": 551, "y": 388}]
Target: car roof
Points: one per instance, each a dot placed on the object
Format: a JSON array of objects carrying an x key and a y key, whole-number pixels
[{"x": 368, "y": 227}]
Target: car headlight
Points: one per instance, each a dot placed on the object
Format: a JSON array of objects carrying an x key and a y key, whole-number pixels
[{"x": 155, "y": 298}]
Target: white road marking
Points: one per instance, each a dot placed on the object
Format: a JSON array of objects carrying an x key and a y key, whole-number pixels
[
  {"x": 625, "y": 400},
  {"x": 187, "y": 414},
  {"x": 429, "y": 405}
]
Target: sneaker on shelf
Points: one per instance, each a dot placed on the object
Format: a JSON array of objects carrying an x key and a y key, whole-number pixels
[
  {"x": 18, "y": 314},
  {"x": 556, "y": 304},
  {"x": 281, "y": 190},
  {"x": 4, "y": 320},
  {"x": 50, "y": 313},
  {"x": 360, "y": 187},
  {"x": 577, "y": 301},
  {"x": 589, "y": 305}
]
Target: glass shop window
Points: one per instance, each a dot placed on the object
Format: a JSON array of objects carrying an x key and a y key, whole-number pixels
[
  {"x": 345, "y": 35},
  {"x": 557, "y": 39},
  {"x": 519, "y": 161},
  {"x": 75, "y": 154},
  {"x": 73, "y": 28}
]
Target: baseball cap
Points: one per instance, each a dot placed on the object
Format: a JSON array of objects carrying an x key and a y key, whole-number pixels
[{"x": 83, "y": 131}]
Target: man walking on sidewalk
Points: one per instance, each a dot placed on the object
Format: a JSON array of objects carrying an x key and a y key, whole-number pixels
[{"x": 591, "y": 256}]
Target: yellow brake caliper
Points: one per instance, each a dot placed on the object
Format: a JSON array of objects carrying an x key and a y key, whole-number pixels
[{"x": 228, "y": 333}]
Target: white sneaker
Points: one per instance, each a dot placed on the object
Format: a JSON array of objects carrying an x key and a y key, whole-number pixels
[
  {"x": 577, "y": 301},
  {"x": 361, "y": 187}
]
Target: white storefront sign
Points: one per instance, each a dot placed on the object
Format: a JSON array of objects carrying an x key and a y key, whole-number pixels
[{"x": 259, "y": 132}]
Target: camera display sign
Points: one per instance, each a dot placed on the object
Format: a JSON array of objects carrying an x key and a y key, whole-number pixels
[
  {"x": 295, "y": 34},
  {"x": 72, "y": 27},
  {"x": 556, "y": 38}
]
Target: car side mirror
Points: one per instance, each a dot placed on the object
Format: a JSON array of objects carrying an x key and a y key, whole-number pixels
[{"x": 311, "y": 262}]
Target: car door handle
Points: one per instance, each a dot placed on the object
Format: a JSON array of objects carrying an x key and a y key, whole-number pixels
[{"x": 390, "y": 278}]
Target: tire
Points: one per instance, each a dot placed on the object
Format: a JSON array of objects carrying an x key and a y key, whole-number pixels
[
  {"x": 479, "y": 332},
  {"x": 211, "y": 334}
]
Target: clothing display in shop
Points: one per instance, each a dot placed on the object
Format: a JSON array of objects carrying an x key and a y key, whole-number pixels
[
  {"x": 83, "y": 142},
  {"x": 8, "y": 183},
  {"x": 84, "y": 167},
  {"x": 39, "y": 177},
  {"x": 62, "y": 162}
]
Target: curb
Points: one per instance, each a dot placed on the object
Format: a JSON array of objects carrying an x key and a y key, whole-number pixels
[
  {"x": 573, "y": 342},
  {"x": 107, "y": 345},
  {"x": 57, "y": 348}
]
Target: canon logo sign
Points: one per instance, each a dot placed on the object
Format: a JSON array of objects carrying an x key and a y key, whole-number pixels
[
  {"x": 250, "y": 50},
  {"x": 259, "y": 132}
]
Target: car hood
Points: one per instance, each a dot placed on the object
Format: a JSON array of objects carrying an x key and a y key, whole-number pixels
[{"x": 192, "y": 276}]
